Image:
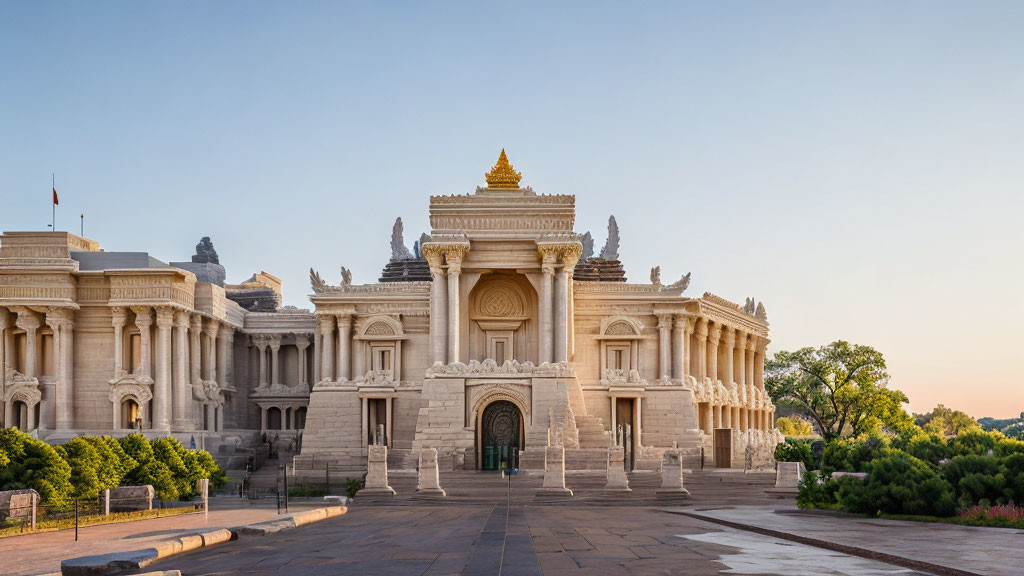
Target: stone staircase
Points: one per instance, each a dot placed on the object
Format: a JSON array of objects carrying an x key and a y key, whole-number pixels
[{"x": 592, "y": 432}]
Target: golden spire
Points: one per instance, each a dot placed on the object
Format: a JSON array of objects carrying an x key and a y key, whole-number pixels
[{"x": 503, "y": 175}]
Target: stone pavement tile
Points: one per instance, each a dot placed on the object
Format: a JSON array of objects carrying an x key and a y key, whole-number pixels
[
  {"x": 550, "y": 561},
  {"x": 640, "y": 539},
  {"x": 448, "y": 563},
  {"x": 574, "y": 542},
  {"x": 546, "y": 544}
]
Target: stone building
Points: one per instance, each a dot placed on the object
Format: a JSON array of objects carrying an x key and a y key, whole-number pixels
[{"x": 500, "y": 332}]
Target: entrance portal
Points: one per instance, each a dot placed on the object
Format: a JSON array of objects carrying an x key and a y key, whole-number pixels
[{"x": 501, "y": 435}]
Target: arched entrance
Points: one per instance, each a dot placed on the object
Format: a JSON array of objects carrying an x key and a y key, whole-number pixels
[
  {"x": 20, "y": 416},
  {"x": 129, "y": 413},
  {"x": 501, "y": 435}
]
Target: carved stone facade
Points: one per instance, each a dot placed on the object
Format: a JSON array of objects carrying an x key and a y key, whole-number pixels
[{"x": 481, "y": 342}]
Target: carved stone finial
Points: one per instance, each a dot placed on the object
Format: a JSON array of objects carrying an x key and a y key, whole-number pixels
[
  {"x": 417, "y": 248},
  {"x": 748, "y": 306},
  {"x": 205, "y": 254},
  {"x": 398, "y": 249},
  {"x": 656, "y": 275},
  {"x": 683, "y": 283},
  {"x": 611, "y": 247},
  {"x": 588, "y": 246},
  {"x": 316, "y": 281},
  {"x": 503, "y": 174},
  {"x": 346, "y": 276},
  {"x": 759, "y": 313}
]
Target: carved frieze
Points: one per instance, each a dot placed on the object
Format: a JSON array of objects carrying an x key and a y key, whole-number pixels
[{"x": 489, "y": 367}]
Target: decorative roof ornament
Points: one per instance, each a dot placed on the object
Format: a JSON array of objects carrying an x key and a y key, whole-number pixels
[
  {"x": 611, "y": 247},
  {"x": 205, "y": 254},
  {"x": 759, "y": 313},
  {"x": 588, "y": 246},
  {"x": 503, "y": 174},
  {"x": 656, "y": 275},
  {"x": 398, "y": 249}
]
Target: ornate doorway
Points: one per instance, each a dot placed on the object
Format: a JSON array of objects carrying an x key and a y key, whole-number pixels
[{"x": 501, "y": 435}]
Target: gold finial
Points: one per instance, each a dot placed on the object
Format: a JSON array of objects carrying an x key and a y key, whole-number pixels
[{"x": 503, "y": 175}]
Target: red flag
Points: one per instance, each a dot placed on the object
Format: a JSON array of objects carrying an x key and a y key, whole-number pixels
[{"x": 55, "y": 202}]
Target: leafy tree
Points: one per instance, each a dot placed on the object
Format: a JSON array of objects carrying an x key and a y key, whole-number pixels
[
  {"x": 794, "y": 426},
  {"x": 34, "y": 464},
  {"x": 85, "y": 462},
  {"x": 796, "y": 450},
  {"x": 946, "y": 422},
  {"x": 841, "y": 386},
  {"x": 114, "y": 463}
]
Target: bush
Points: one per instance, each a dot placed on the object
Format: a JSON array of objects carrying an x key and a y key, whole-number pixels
[
  {"x": 853, "y": 454},
  {"x": 794, "y": 426},
  {"x": 930, "y": 448},
  {"x": 1012, "y": 470},
  {"x": 975, "y": 480},
  {"x": 793, "y": 450},
  {"x": 34, "y": 464},
  {"x": 85, "y": 462},
  {"x": 897, "y": 483},
  {"x": 114, "y": 463},
  {"x": 353, "y": 485}
]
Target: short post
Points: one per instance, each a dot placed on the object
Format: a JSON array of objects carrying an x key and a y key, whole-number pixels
[
  {"x": 285, "y": 475},
  {"x": 35, "y": 504},
  {"x": 106, "y": 502},
  {"x": 76, "y": 519},
  {"x": 327, "y": 470},
  {"x": 203, "y": 487}
]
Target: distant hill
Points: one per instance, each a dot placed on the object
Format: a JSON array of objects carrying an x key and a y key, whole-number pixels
[{"x": 1012, "y": 427}]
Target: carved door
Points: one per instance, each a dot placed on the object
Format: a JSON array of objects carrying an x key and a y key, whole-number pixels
[
  {"x": 723, "y": 448},
  {"x": 501, "y": 435}
]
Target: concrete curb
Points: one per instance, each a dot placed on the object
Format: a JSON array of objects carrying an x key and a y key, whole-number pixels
[
  {"x": 119, "y": 562},
  {"x": 835, "y": 547}
]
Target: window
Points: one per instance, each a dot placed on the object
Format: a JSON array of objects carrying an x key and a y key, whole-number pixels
[
  {"x": 499, "y": 352},
  {"x": 618, "y": 356},
  {"x": 382, "y": 359}
]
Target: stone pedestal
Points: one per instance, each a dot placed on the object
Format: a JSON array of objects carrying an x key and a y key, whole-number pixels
[
  {"x": 377, "y": 472},
  {"x": 672, "y": 475},
  {"x": 554, "y": 472},
  {"x": 428, "y": 480},
  {"x": 789, "y": 474},
  {"x": 617, "y": 480}
]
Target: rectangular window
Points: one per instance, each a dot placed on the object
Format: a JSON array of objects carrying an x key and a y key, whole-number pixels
[{"x": 499, "y": 352}]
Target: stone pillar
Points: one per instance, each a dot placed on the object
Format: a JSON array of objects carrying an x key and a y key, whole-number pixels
[
  {"x": 4, "y": 323},
  {"x": 563, "y": 285},
  {"x": 275, "y": 365},
  {"x": 211, "y": 345},
  {"x": 317, "y": 345},
  {"x": 759, "y": 365},
  {"x": 672, "y": 475},
  {"x": 182, "y": 388},
  {"x": 616, "y": 479},
  {"x": 118, "y": 318},
  {"x": 717, "y": 413},
  {"x": 545, "y": 328},
  {"x": 377, "y": 472},
  {"x": 28, "y": 322},
  {"x": 263, "y": 419},
  {"x": 226, "y": 365},
  {"x": 454, "y": 271},
  {"x": 143, "y": 320},
  {"x": 427, "y": 478},
  {"x": 162, "y": 383},
  {"x": 196, "y": 353},
  {"x": 680, "y": 340},
  {"x": 751, "y": 351},
  {"x": 701, "y": 331},
  {"x": 345, "y": 347},
  {"x": 327, "y": 350},
  {"x": 554, "y": 472},
  {"x": 740, "y": 372},
  {"x": 713, "y": 334},
  {"x": 438, "y": 307},
  {"x": 664, "y": 346},
  {"x": 727, "y": 416},
  {"x": 708, "y": 418},
  {"x": 260, "y": 341},
  {"x": 729, "y": 341},
  {"x": 60, "y": 321},
  {"x": 301, "y": 343}
]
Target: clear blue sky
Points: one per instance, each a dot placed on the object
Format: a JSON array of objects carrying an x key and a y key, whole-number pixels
[{"x": 857, "y": 166}]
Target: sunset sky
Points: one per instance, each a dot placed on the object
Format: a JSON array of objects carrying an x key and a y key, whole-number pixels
[{"x": 858, "y": 167}]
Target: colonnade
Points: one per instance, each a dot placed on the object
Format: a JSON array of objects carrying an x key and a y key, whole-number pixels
[
  {"x": 337, "y": 363},
  {"x": 269, "y": 349},
  {"x": 180, "y": 371}
]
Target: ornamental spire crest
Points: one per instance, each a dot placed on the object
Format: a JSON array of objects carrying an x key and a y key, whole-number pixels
[{"x": 503, "y": 174}]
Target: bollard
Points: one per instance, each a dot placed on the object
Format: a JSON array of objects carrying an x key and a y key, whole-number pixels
[
  {"x": 327, "y": 469},
  {"x": 76, "y": 519}
]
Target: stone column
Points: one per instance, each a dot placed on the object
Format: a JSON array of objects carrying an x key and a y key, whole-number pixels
[
  {"x": 59, "y": 320},
  {"x": 454, "y": 271},
  {"x": 182, "y": 388},
  {"x": 701, "y": 331},
  {"x": 260, "y": 341},
  {"x": 196, "y": 353},
  {"x": 438, "y": 307},
  {"x": 759, "y": 364},
  {"x": 562, "y": 287},
  {"x": 317, "y": 345},
  {"x": 211, "y": 344},
  {"x": 729, "y": 341},
  {"x": 545, "y": 301},
  {"x": 225, "y": 368},
  {"x": 301, "y": 343},
  {"x": 327, "y": 350},
  {"x": 740, "y": 372},
  {"x": 28, "y": 322},
  {"x": 118, "y": 318},
  {"x": 275, "y": 364},
  {"x": 708, "y": 417},
  {"x": 263, "y": 419},
  {"x": 664, "y": 346},
  {"x": 751, "y": 351},
  {"x": 144, "y": 320},
  {"x": 345, "y": 347},
  {"x": 713, "y": 334},
  {"x": 727, "y": 416},
  {"x": 716, "y": 411},
  {"x": 4, "y": 323},
  {"x": 680, "y": 338},
  {"x": 162, "y": 381}
]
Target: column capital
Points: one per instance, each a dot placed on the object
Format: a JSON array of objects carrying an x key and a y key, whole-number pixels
[
  {"x": 227, "y": 333},
  {"x": 326, "y": 323},
  {"x": 118, "y": 316},
  {"x": 143, "y": 316},
  {"x": 164, "y": 317},
  {"x": 275, "y": 342},
  {"x": 729, "y": 335},
  {"x": 181, "y": 319},
  {"x": 26, "y": 320},
  {"x": 345, "y": 320},
  {"x": 260, "y": 341},
  {"x": 752, "y": 342},
  {"x": 301, "y": 341},
  {"x": 58, "y": 317},
  {"x": 212, "y": 327},
  {"x": 664, "y": 321},
  {"x": 197, "y": 323},
  {"x": 700, "y": 328},
  {"x": 714, "y": 333}
]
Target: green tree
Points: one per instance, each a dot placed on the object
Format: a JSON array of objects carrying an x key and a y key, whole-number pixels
[
  {"x": 85, "y": 463},
  {"x": 946, "y": 421},
  {"x": 841, "y": 386},
  {"x": 34, "y": 464},
  {"x": 114, "y": 463},
  {"x": 794, "y": 426}
]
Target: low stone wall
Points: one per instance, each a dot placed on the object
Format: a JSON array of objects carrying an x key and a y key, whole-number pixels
[
  {"x": 131, "y": 498},
  {"x": 18, "y": 503}
]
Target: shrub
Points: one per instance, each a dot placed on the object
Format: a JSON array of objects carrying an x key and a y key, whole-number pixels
[
  {"x": 137, "y": 448},
  {"x": 353, "y": 485},
  {"x": 793, "y": 450},
  {"x": 34, "y": 464},
  {"x": 897, "y": 483},
  {"x": 114, "y": 463},
  {"x": 930, "y": 448},
  {"x": 794, "y": 426},
  {"x": 852, "y": 454},
  {"x": 975, "y": 480},
  {"x": 1011, "y": 469},
  {"x": 1008, "y": 516},
  {"x": 85, "y": 462}
]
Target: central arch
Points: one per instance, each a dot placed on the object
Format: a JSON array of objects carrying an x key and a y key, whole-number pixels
[{"x": 502, "y": 433}]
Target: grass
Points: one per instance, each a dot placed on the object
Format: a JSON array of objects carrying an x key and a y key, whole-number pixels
[{"x": 17, "y": 527}]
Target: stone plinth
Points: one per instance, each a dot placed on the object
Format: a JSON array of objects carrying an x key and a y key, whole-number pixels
[
  {"x": 18, "y": 503},
  {"x": 672, "y": 475},
  {"x": 617, "y": 480},
  {"x": 377, "y": 472},
  {"x": 131, "y": 498},
  {"x": 789, "y": 474},
  {"x": 554, "y": 472},
  {"x": 428, "y": 480}
]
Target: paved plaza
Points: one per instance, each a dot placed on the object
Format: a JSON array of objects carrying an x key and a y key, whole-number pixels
[{"x": 548, "y": 540}]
